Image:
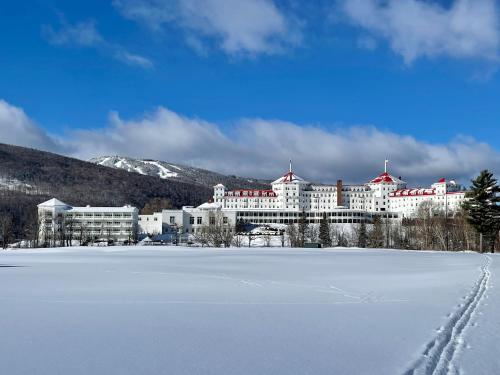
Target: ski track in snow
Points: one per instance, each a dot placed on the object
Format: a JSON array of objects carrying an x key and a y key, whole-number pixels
[
  {"x": 369, "y": 297},
  {"x": 440, "y": 352},
  {"x": 176, "y": 167},
  {"x": 162, "y": 171}
]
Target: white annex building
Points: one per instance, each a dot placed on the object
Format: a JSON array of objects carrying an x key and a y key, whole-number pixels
[
  {"x": 187, "y": 220},
  {"x": 289, "y": 196},
  {"x": 59, "y": 221}
]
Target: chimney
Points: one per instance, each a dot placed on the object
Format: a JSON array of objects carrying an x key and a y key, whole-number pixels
[{"x": 339, "y": 193}]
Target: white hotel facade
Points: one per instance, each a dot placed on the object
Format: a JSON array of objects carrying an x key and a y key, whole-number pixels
[
  {"x": 289, "y": 196},
  {"x": 58, "y": 221}
]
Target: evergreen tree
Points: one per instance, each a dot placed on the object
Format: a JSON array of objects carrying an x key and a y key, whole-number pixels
[
  {"x": 302, "y": 229},
  {"x": 376, "y": 238},
  {"x": 240, "y": 226},
  {"x": 342, "y": 240},
  {"x": 293, "y": 235},
  {"x": 324, "y": 232},
  {"x": 362, "y": 234},
  {"x": 483, "y": 207}
]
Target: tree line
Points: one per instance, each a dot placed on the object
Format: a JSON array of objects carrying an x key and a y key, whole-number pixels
[{"x": 475, "y": 227}]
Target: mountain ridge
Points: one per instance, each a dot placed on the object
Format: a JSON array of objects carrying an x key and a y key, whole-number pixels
[
  {"x": 177, "y": 172},
  {"x": 29, "y": 176}
]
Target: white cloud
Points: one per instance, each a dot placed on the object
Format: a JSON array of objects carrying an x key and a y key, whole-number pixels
[
  {"x": 82, "y": 33},
  {"x": 238, "y": 27},
  {"x": 367, "y": 42},
  {"x": 18, "y": 129},
  {"x": 121, "y": 54},
  {"x": 418, "y": 28},
  {"x": 85, "y": 34},
  {"x": 261, "y": 148}
]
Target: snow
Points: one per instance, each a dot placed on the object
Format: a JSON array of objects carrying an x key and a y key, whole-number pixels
[
  {"x": 124, "y": 164},
  {"x": 54, "y": 202},
  {"x": 162, "y": 171},
  {"x": 483, "y": 339},
  {"x": 209, "y": 206},
  {"x": 105, "y": 160},
  {"x": 94, "y": 209},
  {"x": 140, "y": 166},
  {"x": 173, "y": 310},
  {"x": 8, "y": 183},
  {"x": 176, "y": 167}
]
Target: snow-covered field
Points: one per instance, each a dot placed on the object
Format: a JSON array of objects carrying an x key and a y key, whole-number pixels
[{"x": 157, "y": 310}]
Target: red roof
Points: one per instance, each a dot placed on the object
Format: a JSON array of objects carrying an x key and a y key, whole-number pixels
[
  {"x": 412, "y": 192},
  {"x": 385, "y": 178},
  {"x": 290, "y": 177},
  {"x": 418, "y": 192},
  {"x": 441, "y": 180}
]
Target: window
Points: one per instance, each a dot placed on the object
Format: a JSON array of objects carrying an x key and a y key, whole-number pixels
[
  {"x": 212, "y": 220},
  {"x": 198, "y": 220},
  {"x": 172, "y": 219},
  {"x": 224, "y": 220},
  {"x": 191, "y": 220}
]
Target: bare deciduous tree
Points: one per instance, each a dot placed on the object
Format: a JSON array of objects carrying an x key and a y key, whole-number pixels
[
  {"x": 218, "y": 232},
  {"x": 6, "y": 232}
]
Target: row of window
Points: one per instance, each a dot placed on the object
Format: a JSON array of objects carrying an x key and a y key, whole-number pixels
[
  {"x": 76, "y": 223},
  {"x": 91, "y": 215},
  {"x": 299, "y": 214},
  {"x": 309, "y": 221},
  {"x": 199, "y": 220},
  {"x": 75, "y": 231}
]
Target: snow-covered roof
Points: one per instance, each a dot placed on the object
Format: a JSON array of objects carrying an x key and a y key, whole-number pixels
[
  {"x": 386, "y": 178},
  {"x": 53, "y": 203},
  {"x": 209, "y": 206},
  {"x": 290, "y": 177},
  {"x": 103, "y": 209}
]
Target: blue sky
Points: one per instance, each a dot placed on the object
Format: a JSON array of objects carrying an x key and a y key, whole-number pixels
[{"x": 424, "y": 70}]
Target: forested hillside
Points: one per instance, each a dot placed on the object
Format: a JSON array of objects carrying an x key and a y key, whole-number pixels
[{"x": 28, "y": 177}]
